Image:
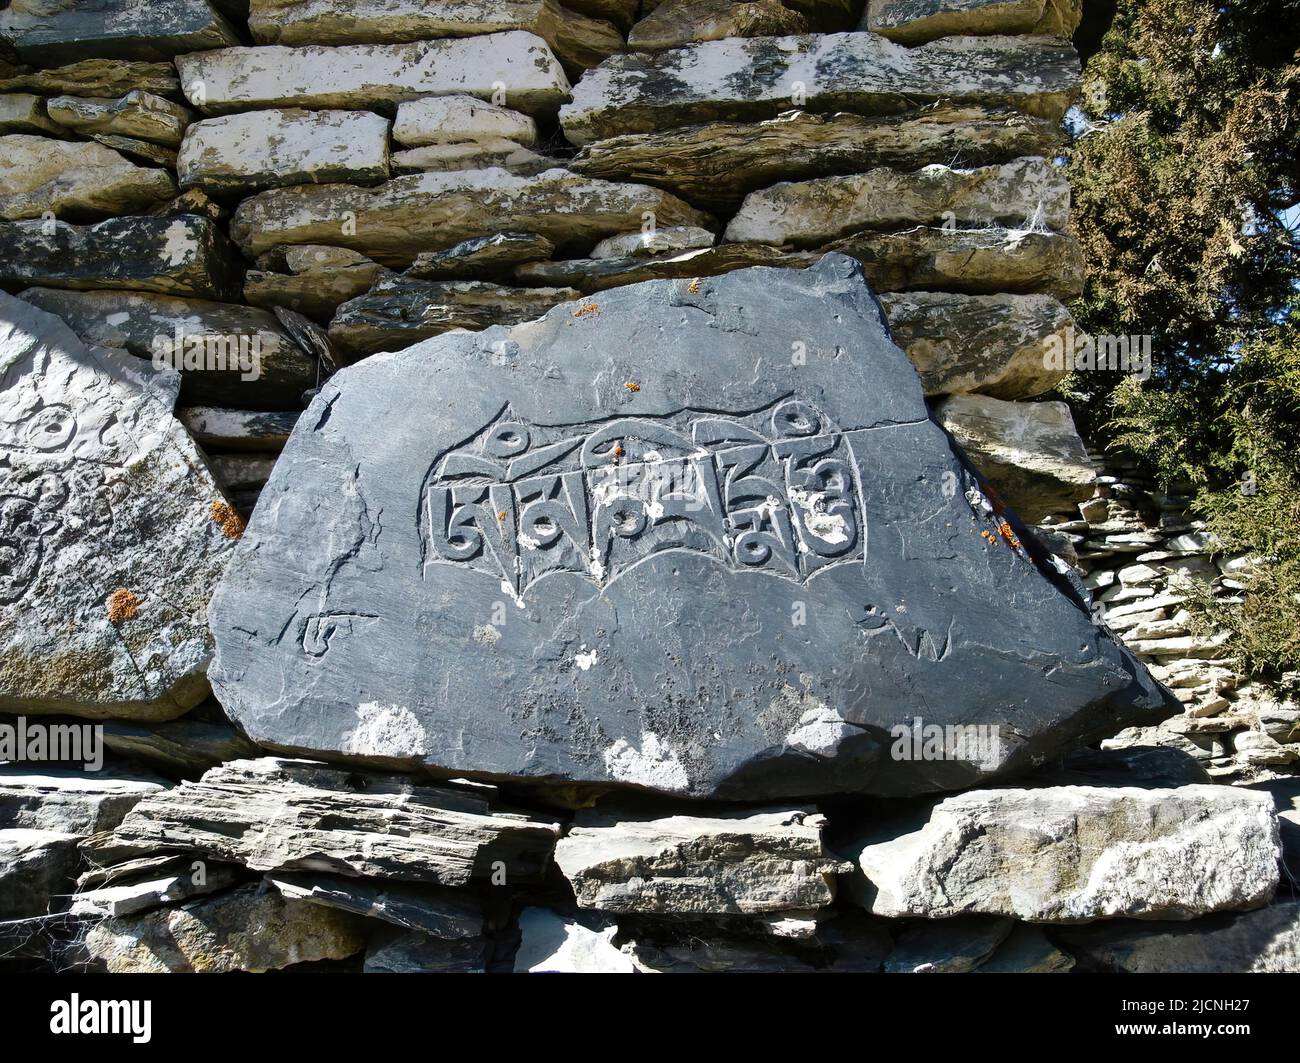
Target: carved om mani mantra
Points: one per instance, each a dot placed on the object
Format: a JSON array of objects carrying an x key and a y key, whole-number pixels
[{"x": 774, "y": 490}]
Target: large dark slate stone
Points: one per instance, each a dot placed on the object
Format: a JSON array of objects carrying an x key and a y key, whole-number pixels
[{"x": 697, "y": 536}]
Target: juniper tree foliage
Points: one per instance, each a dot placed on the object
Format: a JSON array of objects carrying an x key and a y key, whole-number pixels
[{"x": 1185, "y": 175}]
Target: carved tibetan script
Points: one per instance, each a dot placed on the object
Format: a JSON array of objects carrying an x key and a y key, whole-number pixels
[{"x": 776, "y": 490}]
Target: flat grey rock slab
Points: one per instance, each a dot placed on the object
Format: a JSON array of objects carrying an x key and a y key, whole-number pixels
[
  {"x": 728, "y": 567},
  {"x": 36, "y": 869},
  {"x": 417, "y": 953},
  {"x": 918, "y": 21},
  {"x": 951, "y": 946},
  {"x": 138, "y": 114},
  {"x": 1073, "y": 854},
  {"x": 282, "y": 815},
  {"x": 715, "y": 163},
  {"x": 225, "y": 429},
  {"x": 370, "y": 76},
  {"x": 39, "y": 797},
  {"x": 739, "y": 79},
  {"x": 65, "y": 31},
  {"x": 183, "y": 748},
  {"x": 184, "y": 254},
  {"x": 227, "y": 354},
  {"x": 103, "y": 78},
  {"x": 112, "y": 534},
  {"x": 481, "y": 257},
  {"x": 449, "y": 915},
  {"x": 755, "y": 861}
]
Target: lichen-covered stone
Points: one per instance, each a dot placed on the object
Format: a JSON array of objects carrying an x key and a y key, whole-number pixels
[
  {"x": 457, "y": 118},
  {"x": 918, "y": 21},
  {"x": 47, "y": 32},
  {"x": 74, "y": 180},
  {"x": 677, "y": 22},
  {"x": 138, "y": 114}
]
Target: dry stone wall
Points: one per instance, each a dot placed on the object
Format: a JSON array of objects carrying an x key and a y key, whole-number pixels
[{"x": 208, "y": 216}]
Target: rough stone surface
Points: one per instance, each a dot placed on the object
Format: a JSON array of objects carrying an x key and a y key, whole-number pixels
[
  {"x": 671, "y": 239},
  {"x": 571, "y": 676},
  {"x": 451, "y": 119},
  {"x": 768, "y": 860},
  {"x": 103, "y": 78},
  {"x": 677, "y": 22},
  {"x": 1266, "y": 941},
  {"x": 808, "y": 213},
  {"x": 472, "y": 155},
  {"x": 22, "y": 112},
  {"x": 246, "y": 358},
  {"x": 1072, "y": 854},
  {"x": 179, "y": 255},
  {"x": 977, "y": 261},
  {"x": 445, "y": 914},
  {"x": 577, "y": 40},
  {"x": 315, "y": 294},
  {"x": 991, "y": 344},
  {"x": 226, "y": 429},
  {"x": 138, "y": 114},
  {"x": 376, "y": 75},
  {"x": 74, "y": 180},
  {"x": 183, "y": 748},
  {"x": 47, "y": 32},
  {"x": 552, "y": 944},
  {"x": 36, "y": 867},
  {"x": 267, "y": 149},
  {"x": 416, "y": 953},
  {"x": 400, "y": 311},
  {"x": 284, "y": 815},
  {"x": 1027, "y": 950},
  {"x": 1030, "y": 452},
  {"x": 714, "y": 164},
  {"x": 145, "y": 894},
  {"x": 640, "y": 92},
  {"x": 430, "y": 212},
  {"x": 481, "y": 258},
  {"x": 954, "y": 946},
  {"x": 69, "y": 801},
  {"x": 99, "y": 620},
  {"x": 918, "y": 21},
  {"x": 249, "y": 929},
  {"x": 598, "y": 274}
]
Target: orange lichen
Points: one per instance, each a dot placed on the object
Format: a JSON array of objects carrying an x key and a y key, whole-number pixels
[
  {"x": 232, "y": 524},
  {"x": 122, "y": 605},
  {"x": 694, "y": 286},
  {"x": 618, "y": 451},
  {"x": 501, "y": 515},
  {"x": 1008, "y": 535},
  {"x": 632, "y": 385},
  {"x": 586, "y": 310}
]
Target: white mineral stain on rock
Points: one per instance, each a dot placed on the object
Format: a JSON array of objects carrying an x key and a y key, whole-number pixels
[
  {"x": 655, "y": 764},
  {"x": 486, "y": 635},
  {"x": 585, "y": 659},
  {"x": 820, "y": 731},
  {"x": 180, "y": 243},
  {"x": 829, "y": 527},
  {"x": 385, "y": 731}
]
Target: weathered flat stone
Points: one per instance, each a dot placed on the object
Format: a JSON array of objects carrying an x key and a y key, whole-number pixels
[
  {"x": 676, "y": 22},
  {"x": 416, "y": 953},
  {"x": 472, "y": 155},
  {"x": 184, "y": 748},
  {"x": 1027, "y": 950},
  {"x": 599, "y": 274},
  {"x": 991, "y": 344},
  {"x": 482, "y": 257},
  {"x": 978, "y": 261},
  {"x": 744, "y": 79},
  {"x": 271, "y": 148},
  {"x": 211, "y": 935},
  {"x": 766, "y": 860},
  {"x": 316, "y": 294},
  {"x": 22, "y": 112},
  {"x": 47, "y": 32},
  {"x": 229, "y": 355},
  {"x": 1265, "y": 941},
  {"x": 38, "y": 797},
  {"x": 138, "y": 114},
  {"x": 92, "y": 456},
  {"x": 918, "y": 21},
  {"x": 446, "y": 914},
  {"x": 713, "y": 165},
  {"x": 376, "y": 75},
  {"x": 452, "y": 119},
  {"x": 36, "y": 868},
  {"x": 809, "y": 213},
  {"x": 573, "y": 432},
  {"x": 180, "y": 255},
  {"x": 286, "y": 815},
  {"x": 104, "y": 78},
  {"x": 669, "y": 240},
  {"x": 1029, "y": 451},
  {"x": 429, "y": 212},
  {"x": 577, "y": 40},
  {"x": 1072, "y": 854},
  {"x": 224, "y": 429},
  {"x": 73, "y": 179},
  {"x": 141, "y": 150},
  {"x": 234, "y": 471},
  {"x": 129, "y": 898},
  {"x": 620, "y": 12},
  {"x": 400, "y": 311}
]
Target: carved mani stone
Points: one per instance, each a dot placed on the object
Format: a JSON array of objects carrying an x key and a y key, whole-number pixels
[{"x": 696, "y": 536}]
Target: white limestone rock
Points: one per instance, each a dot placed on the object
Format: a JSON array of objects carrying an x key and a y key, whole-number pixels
[
  {"x": 552, "y": 944},
  {"x": 456, "y": 118},
  {"x": 271, "y": 148},
  {"x": 67, "y": 800},
  {"x": 1072, "y": 854},
  {"x": 671, "y": 239},
  {"x": 472, "y": 155},
  {"x": 376, "y": 75},
  {"x": 918, "y": 21}
]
